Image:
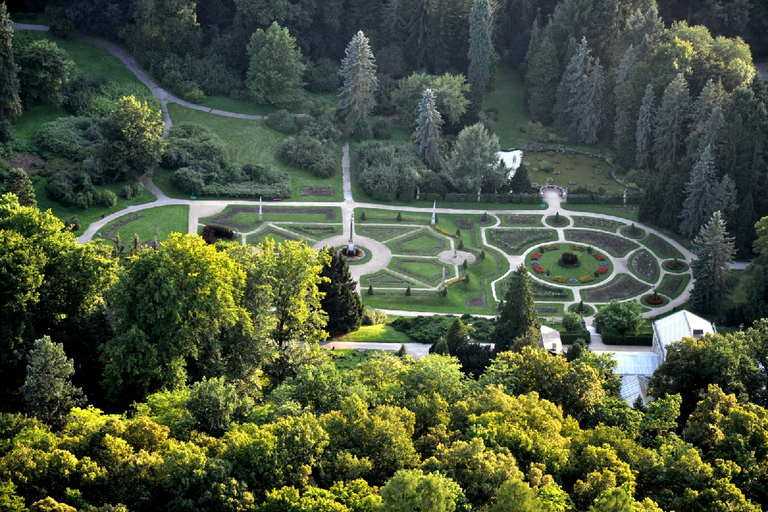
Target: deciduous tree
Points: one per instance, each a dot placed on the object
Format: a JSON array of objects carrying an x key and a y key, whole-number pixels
[
  {"x": 622, "y": 317},
  {"x": 474, "y": 162},
  {"x": 44, "y": 70},
  {"x": 276, "y": 68}
]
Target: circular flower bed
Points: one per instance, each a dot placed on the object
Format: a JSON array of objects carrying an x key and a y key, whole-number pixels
[
  {"x": 675, "y": 265},
  {"x": 546, "y": 263},
  {"x": 587, "y": 311},
  {"x": 358, "y": 256},
  {"x": 655, "y": 300}
]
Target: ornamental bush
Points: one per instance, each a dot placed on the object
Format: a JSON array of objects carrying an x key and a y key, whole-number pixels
[{"x": 283, "y": 122}]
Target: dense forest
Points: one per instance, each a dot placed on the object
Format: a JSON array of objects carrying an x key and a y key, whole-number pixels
[{"x": 186, "y": 374}]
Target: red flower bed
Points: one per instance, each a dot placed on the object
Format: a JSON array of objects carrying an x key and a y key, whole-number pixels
[
  {"x": 539, "y": 269},
  {"x": 599, "y": 257},
  {"x": 671, "y": 265},
  {"x": 603, "y": 270},
  {"x": 536, "y": 256},
  {"x": 650, "y": 300}
]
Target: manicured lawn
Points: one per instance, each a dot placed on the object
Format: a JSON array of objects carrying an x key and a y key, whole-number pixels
[
  {"x": 427, "y": 271},
  {"x": 424, "y": 242},
  {"x": 160, "y": 222},
  {"x": 629, "y": 212},
  {"x": 508, "y": 97},
  {"x": 91, "y": 214},
  {"x": 381, "y": 333},
  {"x": 253, "y": 142},
  {"x": 382, "y": 233},
  {"x": 270, "y": 213},
  {"x": 375, "y": 216}
]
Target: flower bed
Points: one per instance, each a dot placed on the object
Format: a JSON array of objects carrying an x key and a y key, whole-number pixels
[
  {"x": 446, "y": 233},
  {"x": 612, "y": 244},
  {"x": 653, "y": 300},
  {"x": 675, "y": 265}
]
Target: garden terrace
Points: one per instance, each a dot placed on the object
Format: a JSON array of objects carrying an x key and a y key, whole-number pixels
[
  {"x": 661, "y": 247},
  {"x": 623, "y": 287},
  {"x": 612, "y": 244},
  {"x": 382, "y": 233},
  {"x": 596, "y": 223},
  {"x": 421, "y": 242},
  {"x": 515, "y": 241},
  {"x": 151, "y": 223},
  {"x": 544, "y": 292},
  {"x": 674, "y": 285},
  {"x": 644, "y": 266}
]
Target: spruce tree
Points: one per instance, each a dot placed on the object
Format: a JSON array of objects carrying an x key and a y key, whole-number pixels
[
  {"x": 644, "y": 134},
  {"x": 591, "y": 95},
  {"x": 518, "y": 313},
  {"x": 481, "y": 53},
  {"x": 48, "y": 392},
  {"x": 10, "y": 104},
  {"x": 18, "y": 183},
  {"x": 428, "y": 131},
  {"x": 342, "y": 303},
  {"x": 698, "y": 195},
  {"x": 456, "y": 337},
  {"x": 714, "y": 250},
  {"x": 670, "y": 125},
  {"x": 541, "y": 81},
  {"x": 358, "y": 69},
  {"x": 520, "y": 183}
]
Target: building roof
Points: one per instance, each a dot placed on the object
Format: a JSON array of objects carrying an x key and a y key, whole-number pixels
[
  {"x": 682, "y": 324},
  {"x": 634, "y": 386},
  {"x": 550, "y": 340},
  {"x": 635, "y": 363}
]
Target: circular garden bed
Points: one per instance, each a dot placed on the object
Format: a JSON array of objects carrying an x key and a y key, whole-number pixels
[
  {"x": 569, "y": 264},
  {"x": 363, "y": 255},
  {"x": 675, "y": 265},
  {"x": 589, "y": 310},
  {"x": 654, "y": 300},
  {"x": 632, "y": 232},
  {"x": 557, "y": 220}
]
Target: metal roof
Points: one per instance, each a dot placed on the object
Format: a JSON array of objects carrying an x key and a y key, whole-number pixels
[{"x": 680, "y": 325}]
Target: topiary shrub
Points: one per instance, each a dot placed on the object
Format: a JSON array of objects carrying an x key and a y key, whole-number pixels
[
  {"x": 408, "y": 292},
  {"x": 568, "y": 259},
  {"x": 211, "y": 232}
]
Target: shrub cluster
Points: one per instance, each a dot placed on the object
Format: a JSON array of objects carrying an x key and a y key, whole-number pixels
[
  {"x": 75, "y": 188},
  {"x": 211, "y": 232},
  {"x": 311, "y": 154},
  {"x": 386, "y": 170}
]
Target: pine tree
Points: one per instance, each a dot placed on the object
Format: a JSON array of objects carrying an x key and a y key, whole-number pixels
[
  {"x": 714, "y": 249},
  {"x": 428, "y": 131},
  {"x": 342, "y": 303},
  {"x": 358, "y": 69},
  {"x": 518, "y": 313},
  {"x": 644, "y": 134},
  {"x": 669, "y": 130},
  {"x": 10, "y": 104},
  {"x": 18, "y": 183},
  {"x": 541, "y": 81},
  {"x": 520, "y": 183},
  {"x": 48, "y": 392},
  {"x": 481, "y": 53},
  {"x": 698, "y": 194},
  {"x": 456, "y": 337}
]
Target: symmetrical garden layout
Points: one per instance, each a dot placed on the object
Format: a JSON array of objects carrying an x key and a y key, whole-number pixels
[{"x": 409, "y": 261}]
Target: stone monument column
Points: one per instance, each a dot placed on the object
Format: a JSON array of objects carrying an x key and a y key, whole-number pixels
[
  {"x": 260, "y": 216},
  {"x": 434, "y": 213},
  {"x": 351, "y": 244}
]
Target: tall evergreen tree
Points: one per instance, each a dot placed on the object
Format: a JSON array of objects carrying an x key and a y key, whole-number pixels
[
  {"x": 276, "y": 69},
  {"x": 18, "y": 183},
  {"x": 520, "y": 183},
  {"x": 644, "y": 134},
  {"x": 591, "y": 109},
  {"x": 428, "y": 131},
  {"x": 48, "y": 392},
  {"x": 579, "y": 108},
  {"x": 518, "y": 314},
  {"x": 699, "y": 194},
  {"x": 10, "y": 104},
  {"x": 671, "y": 121},
  {"x": 481, "y": 53},
  {"x": 574, "y": 73},
  {"x": 358, "y": 69},
  {"x": 541, "y": 80},
  {"x": 714, "y": 249},
  {"x": 341, "y": 302}
]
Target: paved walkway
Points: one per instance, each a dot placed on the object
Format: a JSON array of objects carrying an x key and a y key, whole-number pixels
[{"x": 381, "y": 254}]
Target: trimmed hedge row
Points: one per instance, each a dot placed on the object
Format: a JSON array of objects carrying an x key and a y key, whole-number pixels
[
  {"x": 455, "y": 197},
  {"x": 645, "y": 340},
  {"x": 598, "y": 199},
  {"x": 568, "y": 338}
]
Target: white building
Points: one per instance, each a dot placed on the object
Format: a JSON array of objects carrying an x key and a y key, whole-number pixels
[{"x": 675, "y": 327}]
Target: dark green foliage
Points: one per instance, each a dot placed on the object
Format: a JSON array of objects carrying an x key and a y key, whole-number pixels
[
  {"x": 382, "y": 130},
  {"x": 520, "y": 184},
  {"x": 275, "y": 71},
  {"x": 188, "y": 180},
  {"x": 342, "y": 303},
  {"x": 44, "y": 70},
  {"x": 10, "y": 104},
  {"x": 189, "y": 143},
  {"x": 362, "y": 216},
  {"x": 311, "y": 154},
  {"x": 211, "y": 232},
  {"x": 363, "y": 131},
  {"x": 282, "y": 121},
  {"x": 72, "y": 188},
  {"x": 386, "y": 170},
  {"x": 714, "y": 251},
  {"x": 428, "y": 329},
  {"x": 408, "y": 292},
  {"x": 74, "y": 138},
  {"x": 18, "y": 182},
  {"x": 323, "y": 76},
  {"x": 481, "y": 52},
  {"x": 518, "y": 314},
  {"x": 399, "y": 216},
  {"x": 370, "y": 289}
]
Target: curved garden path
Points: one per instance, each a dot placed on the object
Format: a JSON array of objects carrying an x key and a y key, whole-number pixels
[{"x": 381, "y": 255}]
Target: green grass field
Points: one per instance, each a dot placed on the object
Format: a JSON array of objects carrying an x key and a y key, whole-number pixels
[
  {"x": 251, "y": 142},
  {"x": 508, "y": 97},
  {"x": 91, "y": 214},
  {"x": 162, "y": 220},
  {"x": 246, "y": 106},
  {"x": 381, "y": 333},
  {"x": 629, "y": 213},
  {"x": 571, "y": 170}
]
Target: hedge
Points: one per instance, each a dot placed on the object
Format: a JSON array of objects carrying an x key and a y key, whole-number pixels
[
  {"x": 471, "y": 197},
  {"x": 645, "y": 340},
  {"x": 249, "y": 189},
  {"x": 598, "y": 199},
  {"x": 568, "y": 338}
]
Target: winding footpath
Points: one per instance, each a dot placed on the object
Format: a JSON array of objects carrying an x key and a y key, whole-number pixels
[{"x": 381, "y": 255}]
